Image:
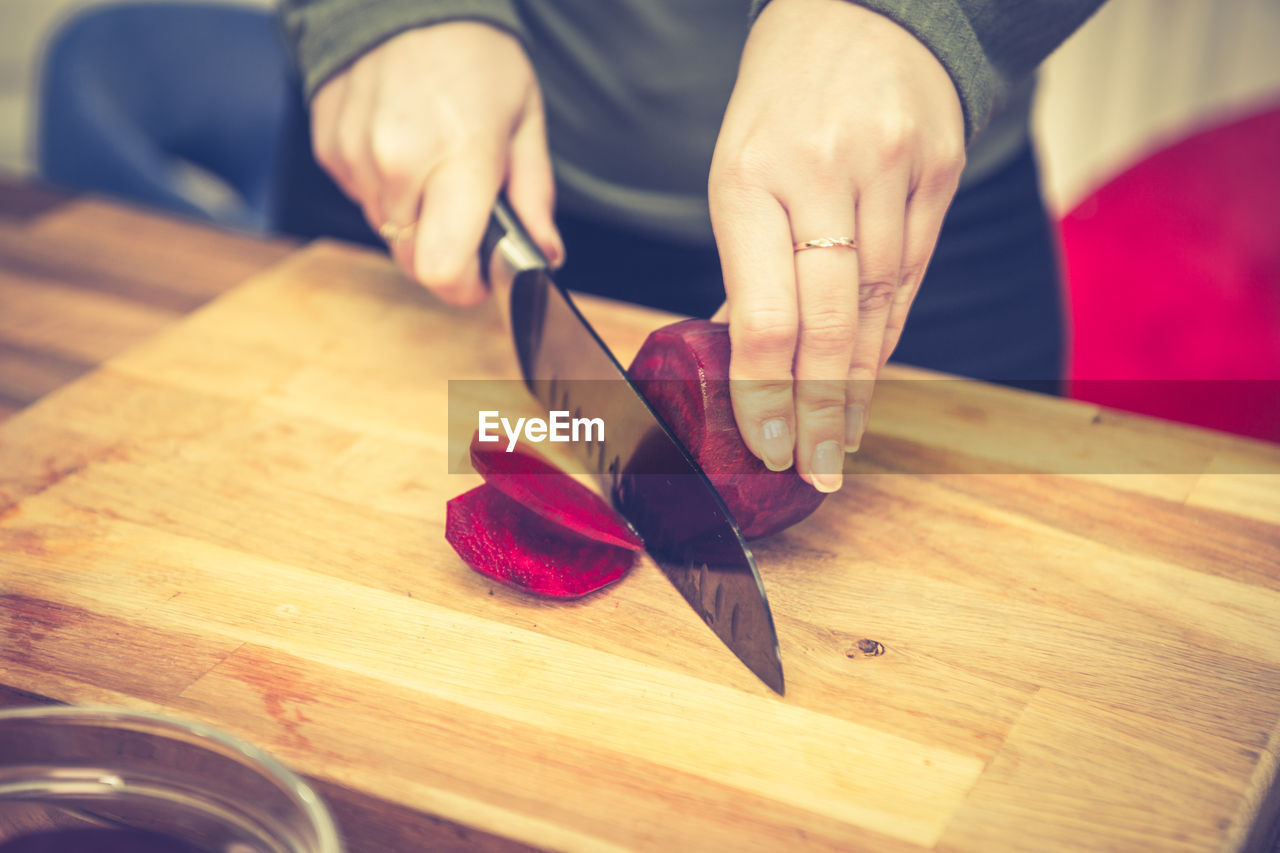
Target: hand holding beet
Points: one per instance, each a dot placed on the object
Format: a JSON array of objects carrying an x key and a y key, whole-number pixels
[
  {"x": 842, "y": 124},
  {"x": 683, "y": 371}
]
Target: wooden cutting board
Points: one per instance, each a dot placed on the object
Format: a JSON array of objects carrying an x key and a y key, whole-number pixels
[{"x": 241, "y": 521}]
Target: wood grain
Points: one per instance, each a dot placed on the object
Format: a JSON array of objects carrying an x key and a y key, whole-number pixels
[
  {"x": 240, "y": 520},
  {"x": 83, "y": 279}
]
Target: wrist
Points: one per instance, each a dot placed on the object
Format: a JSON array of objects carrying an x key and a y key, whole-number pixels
[{"x": 330, "y": 36}]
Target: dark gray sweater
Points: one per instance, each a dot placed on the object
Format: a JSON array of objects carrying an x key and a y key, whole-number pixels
[{"x": 635, "y": 89}]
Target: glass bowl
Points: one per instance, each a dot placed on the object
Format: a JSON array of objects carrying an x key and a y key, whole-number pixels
[{"x": 110, "y": 780}]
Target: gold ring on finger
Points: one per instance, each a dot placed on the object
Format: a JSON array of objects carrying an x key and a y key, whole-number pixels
[
  {"x": 827, "y": 243},
  {"x": 392, "y": 233}
]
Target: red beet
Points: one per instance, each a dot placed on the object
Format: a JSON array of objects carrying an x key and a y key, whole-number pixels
[
  {"x": 536, "y": 484},
  {"x": 683, "y": 371},
  {"x": 499, "y": 537}
]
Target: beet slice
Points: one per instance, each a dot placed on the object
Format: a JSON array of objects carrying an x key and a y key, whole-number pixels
[
  {"x": 683, "y": 371},
  {"x": 528, "y": 478},
  {"x": 500, "y": 538}
]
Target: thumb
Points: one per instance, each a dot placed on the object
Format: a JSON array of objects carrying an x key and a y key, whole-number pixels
[
  {"x": 531, "y": 184},
  {"x": 722, "y": 314}
]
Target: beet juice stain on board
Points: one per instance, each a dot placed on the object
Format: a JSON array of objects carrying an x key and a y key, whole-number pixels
[{"x": 102, "y": 841}]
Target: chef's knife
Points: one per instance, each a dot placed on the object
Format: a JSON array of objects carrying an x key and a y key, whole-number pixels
[{"x": 649, "y": 475}]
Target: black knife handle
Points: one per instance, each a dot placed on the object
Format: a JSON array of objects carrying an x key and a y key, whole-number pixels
[{"x": 506, "y": 238}]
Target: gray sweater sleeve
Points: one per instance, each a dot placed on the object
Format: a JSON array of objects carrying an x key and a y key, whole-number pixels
[
  {"x": 987, "y": 47},
  {"x": 326, "y": 36}
]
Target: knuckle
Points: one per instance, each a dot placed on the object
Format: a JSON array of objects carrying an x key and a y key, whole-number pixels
[
  {"x": 911, "y": 275},
  {"x": 895, "y": 134},
  {"x": 876, "y": 296},
  {"x": 824, "y": 151},
  {"x": 953, "y": 158},
  {"x": 324, "y": 147},
  {"x": 757, "y": 399},
  {"x": 768, "y": 331},
  {"x": 747, "y": 166},
  {"x": 821, "y": 397},
  {"x": 349, "y": 143},
  {"x": 944, "y": 167},
  {"x": 438, "y": 274},
  {"x": 939, "y": 180},
  {"x": 862, "y": 373},
  {"x": 388, "y": 150},
  {"x": 828, "y": 332},
  {"x": 950, "y": 148}
]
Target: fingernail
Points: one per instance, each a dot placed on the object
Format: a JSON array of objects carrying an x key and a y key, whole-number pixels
[
  {"x": 855, "y": 423},
  {"x": 828, "y": 460},
  {"x": 776, "y": 444}
]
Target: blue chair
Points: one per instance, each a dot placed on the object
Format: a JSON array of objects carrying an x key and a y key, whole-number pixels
[{"x": 177, "y": 106}]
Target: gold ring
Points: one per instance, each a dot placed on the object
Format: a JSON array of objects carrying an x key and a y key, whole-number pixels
[
  {"x": 827, "y": 243},
  {"x": 392, "y": 233}
]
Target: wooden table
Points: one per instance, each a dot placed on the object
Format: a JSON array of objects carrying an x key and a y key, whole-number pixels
[{"x": 237, "y": 517}]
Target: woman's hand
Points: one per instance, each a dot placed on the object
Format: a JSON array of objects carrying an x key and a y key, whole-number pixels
[
  {"x": 423, "y": 131},
  {"x": 841, "y": 124}
]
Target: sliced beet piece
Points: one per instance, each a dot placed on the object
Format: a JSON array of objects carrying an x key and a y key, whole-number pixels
[
  {"x": 683, "y": 371},
  {"x": 536, "y": 484},
  {"x": 500, "y": 538}
]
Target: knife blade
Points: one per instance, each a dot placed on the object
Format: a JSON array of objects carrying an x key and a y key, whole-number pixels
[{"x": 648, "y": 474}]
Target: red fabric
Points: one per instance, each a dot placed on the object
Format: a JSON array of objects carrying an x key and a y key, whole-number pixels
[{"x": 1174, "y": 274}]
